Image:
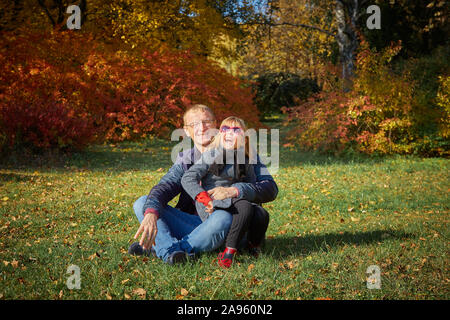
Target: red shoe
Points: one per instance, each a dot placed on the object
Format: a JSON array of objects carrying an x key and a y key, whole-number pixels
[{"x": 225, "y": 259}]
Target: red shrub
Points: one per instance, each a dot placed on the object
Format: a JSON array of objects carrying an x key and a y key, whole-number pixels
[{"x": 66, "y": 89}]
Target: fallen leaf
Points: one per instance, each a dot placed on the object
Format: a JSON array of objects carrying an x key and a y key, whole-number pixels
[
  {"x": 123, "y": 281},
  {"x": 250, "y": 267},
  {"x": 184, "y": 292},
  {"x": 15, "y": 263},
  {"x": 92, "y": 256},
  {"x": 290, "y": 264},
  {"x": 127, "y": 296},
  {"x": 354, "y": 219},
  {"x": 140, "y": 292}
]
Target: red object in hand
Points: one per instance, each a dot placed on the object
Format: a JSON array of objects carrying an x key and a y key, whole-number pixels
[{"x": 203, "y": 197}]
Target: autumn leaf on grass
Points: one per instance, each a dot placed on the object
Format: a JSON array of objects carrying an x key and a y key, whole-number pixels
[
  {"x": 250, "y": 267},
  {"x": 15, "y": 263},
  {"x": 140, "y": 292},
  {"x": 184, "y": 292},
  {"x": 93, "y": 256}
]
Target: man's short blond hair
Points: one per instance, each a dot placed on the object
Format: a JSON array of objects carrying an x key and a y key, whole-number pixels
[{"x": 197, "y": 108}]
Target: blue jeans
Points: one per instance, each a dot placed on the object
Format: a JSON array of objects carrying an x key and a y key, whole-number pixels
[{"x": 181, "y": 231}]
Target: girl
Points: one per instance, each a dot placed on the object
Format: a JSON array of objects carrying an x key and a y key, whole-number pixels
[{"x": 226, "y": 161}]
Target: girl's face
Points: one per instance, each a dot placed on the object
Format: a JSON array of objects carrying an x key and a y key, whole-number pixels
[{"x": 232, "y": 136}]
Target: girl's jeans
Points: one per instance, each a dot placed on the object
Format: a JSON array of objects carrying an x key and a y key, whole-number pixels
[{"x": 180, "y": 231}]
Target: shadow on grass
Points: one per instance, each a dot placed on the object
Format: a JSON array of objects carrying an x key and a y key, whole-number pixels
[
  {"x": 295, "y": 157},
  {"x": 281, "y": 247},
  {"x": 16, "y": 177},
  {"x": 118, "y": 158}
]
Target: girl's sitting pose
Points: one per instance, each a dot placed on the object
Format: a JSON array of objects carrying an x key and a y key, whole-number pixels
[{"x": 228, "y": 160}]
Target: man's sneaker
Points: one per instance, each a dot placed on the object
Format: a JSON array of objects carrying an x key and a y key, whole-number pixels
[
  {"x": 253, "y": 250},
  {"x": 136, "y": 250},
  {"x": 177, "y": 257},
  {"x": 225, "y": 259}
]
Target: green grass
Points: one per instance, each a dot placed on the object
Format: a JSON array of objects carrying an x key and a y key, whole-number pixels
[{"x": 333, "y": 218}]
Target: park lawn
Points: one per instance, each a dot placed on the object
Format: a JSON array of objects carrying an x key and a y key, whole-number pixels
[{"x": 333, "y": 218}]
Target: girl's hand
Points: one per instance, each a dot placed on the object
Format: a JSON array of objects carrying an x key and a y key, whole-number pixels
[{"x": 209, "y": 207}]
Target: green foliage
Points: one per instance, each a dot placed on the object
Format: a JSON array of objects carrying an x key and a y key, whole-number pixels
[
  {"x": 443, "y": 101},
  {"x": 277, "y": 90},
  {"x": 421, "y": 25},
  {"x": 385, "y": 112}
]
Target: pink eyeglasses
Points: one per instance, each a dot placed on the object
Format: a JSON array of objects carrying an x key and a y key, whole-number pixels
[{"x": 225, "y": 129}]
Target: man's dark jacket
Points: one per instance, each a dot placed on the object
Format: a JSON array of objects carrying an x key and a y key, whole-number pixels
[{"x": 263, "y": 189}]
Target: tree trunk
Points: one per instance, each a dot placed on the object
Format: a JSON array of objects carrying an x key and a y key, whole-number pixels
[{"x": 346, "y": 37}]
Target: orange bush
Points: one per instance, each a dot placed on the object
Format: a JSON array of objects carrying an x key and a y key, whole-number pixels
[{"x": 379, "y": 115}]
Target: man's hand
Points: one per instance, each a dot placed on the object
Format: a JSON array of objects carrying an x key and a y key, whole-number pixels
[
  {"x": 149, "y": 231},
  {"x": 220, "y": 193},
  {"x": 209, "y": 207}
]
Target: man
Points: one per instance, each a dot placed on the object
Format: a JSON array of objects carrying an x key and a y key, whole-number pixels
[{"x": 178, "y": 233}]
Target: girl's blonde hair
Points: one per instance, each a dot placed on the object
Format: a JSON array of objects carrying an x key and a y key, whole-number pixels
[{"x": 232, "y": 121}]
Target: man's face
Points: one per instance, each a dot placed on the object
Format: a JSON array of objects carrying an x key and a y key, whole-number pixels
[{"x": 199, "y": 127}]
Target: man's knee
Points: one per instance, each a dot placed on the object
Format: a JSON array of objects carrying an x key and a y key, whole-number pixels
[
  {"x": 220, "y": 220},
  {"x": 138, "y": 207}
]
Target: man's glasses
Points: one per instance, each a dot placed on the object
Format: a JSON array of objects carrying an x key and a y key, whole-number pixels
[
  {"x": 197, "y": 124},
  {"x": 225, "y": 129}
]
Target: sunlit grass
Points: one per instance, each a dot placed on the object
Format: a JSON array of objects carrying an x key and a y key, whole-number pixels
[{"x": 333, "y": 218}]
